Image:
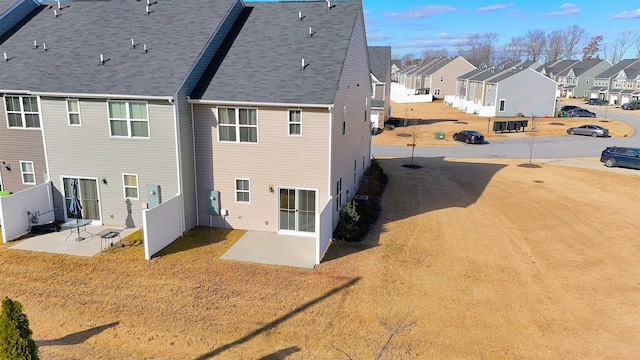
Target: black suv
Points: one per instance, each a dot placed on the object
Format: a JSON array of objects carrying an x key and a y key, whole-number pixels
[
  {"x": 621, "y": 156},
  {"x": 597, "y": 102}
]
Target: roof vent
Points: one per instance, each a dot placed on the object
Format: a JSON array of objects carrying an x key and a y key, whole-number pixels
[
  {"x": 311, "y": 33},
  {"x": 329, "y": 6},
  {"x": 144, "y": 49},
  {"x": 35, "y": 44},
  {"x": 133, "y": 44},
  {"x": 44, "y": 46},
  {"x": 7, "y": 59},
  {"x": 55, "y": 13},
  {"x": 300, "y": 17},
  {"x": 103, "y": 60},
  {"x": 304, "y": 65}
]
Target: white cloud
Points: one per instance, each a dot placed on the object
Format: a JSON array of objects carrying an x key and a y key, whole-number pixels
[
  {"x": 420, "y": 12},
  {"x": 443, "y": 35},
  {"x": 495, "y": 7},
  {"x": 567, "y": 9},
  {"x": 626, "y": 15}
]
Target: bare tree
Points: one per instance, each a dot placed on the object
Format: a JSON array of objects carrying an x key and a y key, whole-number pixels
[
  {"x": 592, "y": 48},
  {"x": 479, "y": 47},
  {"x": 407, "y": 59},
  {"x": 516, "y": 48},
  {"x": 537, "y": 44},
  {"x": 531, "y": 135},
  {"x": 434, "y": 53},
  {"x": 556, "y": 42},
  {"x": 616, "y": 51},
  {"x": 574, "y": 37}
]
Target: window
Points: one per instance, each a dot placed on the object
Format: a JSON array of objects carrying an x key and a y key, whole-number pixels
[
  {"x": 243, "y": 194},
  {"x": 502, "y": 105},
  {"x": 22, "y": 111},
  {"x": 28, "y": 174},
  {"x": 128, "y": 119},
  {"x": 355, "y": 171},
  {"x": 339, "y": 194},
  {"x": 238, "y": 125},
  {"x": 295, "y": 122},
  {"x": 130, "y": 182},
  {"x": 73, "y": 111}
]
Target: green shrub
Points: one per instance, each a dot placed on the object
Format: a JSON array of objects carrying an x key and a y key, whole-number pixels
[
  {"x": 15, "y": 336},
  {"x": 348, "y": 226},
  {"x": 389, "y": 127}
]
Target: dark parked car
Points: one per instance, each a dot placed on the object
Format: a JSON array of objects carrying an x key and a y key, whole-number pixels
[
  {"x": 591, "y": 130},
  {"x": 581, "y": 113},
  {"x": 631, "y": 105},
  {"x": 568, "y": 108},
  {"x": 469, "y": 136},
  {"x": 621, "y": 156},
  {"x": 597, "y": 102}
]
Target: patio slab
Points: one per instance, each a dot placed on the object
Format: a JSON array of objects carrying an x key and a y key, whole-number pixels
[
  {"x": 64, "y": 242},
  {"x": 275, "y": 249}
]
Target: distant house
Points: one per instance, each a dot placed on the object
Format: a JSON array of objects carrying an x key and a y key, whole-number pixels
[
  {"x": 577, "y": 79},
  {"x": 396, "y": 65},
  {"x": 440, "y": 78},
  {"x": 283, "y": 140},
  {"x": 618, "y": 84},
  {"x": 498, "y": 91},
  {"x": 380, "y": 63}
]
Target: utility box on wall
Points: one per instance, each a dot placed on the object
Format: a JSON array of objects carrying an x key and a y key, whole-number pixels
[
  {"x": 214, "y": 202},
  {"x": 153, "y": 196}
]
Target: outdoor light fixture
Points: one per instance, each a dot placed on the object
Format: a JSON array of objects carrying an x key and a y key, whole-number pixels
[
  {"x": 270, "y": 188},
  {"x": 104, "y": 181},
  {"x": 8, "y": 167}
]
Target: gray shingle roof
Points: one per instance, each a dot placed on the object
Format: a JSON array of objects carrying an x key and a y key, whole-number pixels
[
  {"x": 261, "y": 61},
  {"x": 380, "y": 61},
  {"x": 175, "y": 33},
  {"x": 615, "y": 69}
]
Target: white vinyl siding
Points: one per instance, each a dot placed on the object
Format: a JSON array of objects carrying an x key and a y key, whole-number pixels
[
  {"x": 27, "y": 172},
  {"x": 130, "y": 185},
  {"x": 238, "y": 125},
  {"x": 73, "y": 112},
  {"x": 22, "y": 111},
  {"x": 128, "y": 119}
]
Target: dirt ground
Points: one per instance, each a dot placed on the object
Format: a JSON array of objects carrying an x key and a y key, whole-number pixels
[
  {"x": 438, "y": 117},
  {"x": 480, "y": 259}
]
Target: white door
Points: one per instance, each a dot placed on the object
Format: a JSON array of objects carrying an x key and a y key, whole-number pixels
[
  {"x": 88, "y": 196},
  {"x": 297, "y": 210}
]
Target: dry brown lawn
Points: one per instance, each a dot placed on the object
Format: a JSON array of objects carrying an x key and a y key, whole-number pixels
[
  {"x": 491, "y": 260},
  {"x": 438, "y": 117}
]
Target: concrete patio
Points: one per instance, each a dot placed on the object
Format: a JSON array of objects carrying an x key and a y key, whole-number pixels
[
  {"x": 65, "y": 241},
  {"x": 275, "y": 249}
]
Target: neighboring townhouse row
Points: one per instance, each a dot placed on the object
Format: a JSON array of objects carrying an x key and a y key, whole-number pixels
[
  {"x": 618, "y": 84},
  {"x": 380, "y": 64},
  {"x": 577, "y": 79},
  {"x": 498, "y": 91},
  {"x": 142, "y": 102}
]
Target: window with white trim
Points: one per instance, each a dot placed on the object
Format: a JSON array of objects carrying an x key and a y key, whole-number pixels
[
  {"x": 73, "y": 112},
  {"x": 339, "y": 194},
  {"x": 128, "y": 119},
  {"x": 243, "y": 190},
  {"x": 238, "y": 125},
  {"x": 502, "y": 105},
  {"x": 130, "y": 184},
  {"x": 295, "y": 122},
  {"x": 22, "y": 112},
  {"x": 27, "y": 172}
]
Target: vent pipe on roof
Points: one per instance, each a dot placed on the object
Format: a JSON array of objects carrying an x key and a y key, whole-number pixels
[
  {"x": 147, "y": 9},
  {"x": 311, "y": 33},
  {"x": 300, "y": 17},
  {"x": 7, "y": 59},
  {"x": 35, "y": 44},
  {"x": 44, "y": 46},
  {"x": 58, "y": 1},
  {"x": 304, "y": 65},
  {"x": 144, "y": 49},
  {"x": 133, "y": 44},
  {"x": 55, "y": 13},
  {"x": 101, "y": 59},
  {"x": 329, "y": 6}
]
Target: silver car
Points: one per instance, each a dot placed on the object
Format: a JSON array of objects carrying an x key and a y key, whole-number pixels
[{"x": 592, "y": 130}]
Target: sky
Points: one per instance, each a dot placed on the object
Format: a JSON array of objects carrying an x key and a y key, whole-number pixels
[{"x": 411, "y": 26}]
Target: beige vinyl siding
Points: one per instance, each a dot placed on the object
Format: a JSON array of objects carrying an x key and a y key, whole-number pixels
[
  {"x": 457, "y": 67},
  {"x": 277, "y": 160},
  {"x": 353, "y": 88},
  {"x": 89, "y": 151},
  {"x": 19, "y": 145},
  {"x": 187, "y": 161}
]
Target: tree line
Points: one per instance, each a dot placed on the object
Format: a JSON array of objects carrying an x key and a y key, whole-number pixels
[{"x": 538, "y": 45}]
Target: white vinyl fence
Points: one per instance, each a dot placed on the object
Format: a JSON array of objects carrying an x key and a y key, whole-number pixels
[
  {"x": 401, "y": 94},
  {"x": 161, "y": 226},
  {"x": 15, "y": 210},
  {"x": 325, "y": 232}
]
